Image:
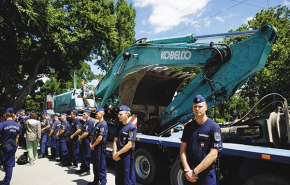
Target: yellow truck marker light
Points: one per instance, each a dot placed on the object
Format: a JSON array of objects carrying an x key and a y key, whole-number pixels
[
  {"x": 138, "y": 139},
  {"x": 264, "y": 156}
]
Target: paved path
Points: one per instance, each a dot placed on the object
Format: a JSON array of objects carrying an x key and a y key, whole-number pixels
[{"x": 48, "y": 172}]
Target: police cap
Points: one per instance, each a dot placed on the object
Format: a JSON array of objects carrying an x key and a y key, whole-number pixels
[
  {"x": 75, "y": 111},
  {"x": 10, "y": 110},
  {"x": 64, "y": 114},
  {"x": 87, "y": 111},
  {"x": 234, "y": 114},
  {"x": 198, "y": 99},
  {"x": 33, "y": 111},
  {"x": 124, "y": 108},
  {"x": 100, "y": 109},
  {"x": 44, "y": 112}
]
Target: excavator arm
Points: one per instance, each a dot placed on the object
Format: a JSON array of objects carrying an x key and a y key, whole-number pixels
[{"x": 141, "y": 79}]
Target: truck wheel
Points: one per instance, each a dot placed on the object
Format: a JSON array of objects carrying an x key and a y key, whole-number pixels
[
  {"x": 146, "y": 167},
  {"x": 267, "y": 179},
  {"x": 176, "y": 173}
]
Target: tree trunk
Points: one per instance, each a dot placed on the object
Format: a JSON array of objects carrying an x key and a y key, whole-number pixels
[{"x": 26, "y": 88}]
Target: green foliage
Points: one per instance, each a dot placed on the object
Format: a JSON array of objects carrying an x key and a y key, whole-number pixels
[
  {"x": 40, "y": 38},
  {"x": 275, "y": 76}
]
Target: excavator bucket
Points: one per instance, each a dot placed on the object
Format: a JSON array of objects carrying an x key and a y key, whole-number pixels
[{"x": 149, "y": 90}]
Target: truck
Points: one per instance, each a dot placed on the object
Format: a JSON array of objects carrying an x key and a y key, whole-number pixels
[{"x": 255, "y": 151}]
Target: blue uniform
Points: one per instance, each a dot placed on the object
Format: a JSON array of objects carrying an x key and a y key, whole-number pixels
[
  {"x": 22, "y": 140},
  {"x": 125, "y": 170},
  {"x": 44, "y": 137},
  {"x": 54, "y": 141},
  {"x": 85, "y": 151},
  {"x": 99, "y": 153},
  {"x": 200, "y": 139},
  {"x": 9, "y": 129},
  {"x": 62, "y": 141},
  {"x": 74, "y": 143}
]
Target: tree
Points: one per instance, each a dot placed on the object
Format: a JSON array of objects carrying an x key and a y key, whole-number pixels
[
  {"x": 275, "y": 76},
  {"x": 51, "y": 37}
]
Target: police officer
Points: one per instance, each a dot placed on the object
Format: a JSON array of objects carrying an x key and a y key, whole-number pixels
[
  {"x": 85, "y": 93},
  {"x": 201, "y": 143},
  {"x": 123, "y": 146},
  {"x": 54, "y": 141},
  {"x": 9, "y": 131},
  {"x": 44, "y": 134},
  {"x": 98, "y": 147},
  {"x": 62, "y": 136},
  {"x": 84, "y": 139},
  {"x": 75, "y": 129}
]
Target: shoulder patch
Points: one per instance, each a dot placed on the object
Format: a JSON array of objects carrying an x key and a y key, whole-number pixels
[
  {"x": 217, "y": 136},
  {"x": 131, "y": 133},
  {"x": 102, "y": 129}
]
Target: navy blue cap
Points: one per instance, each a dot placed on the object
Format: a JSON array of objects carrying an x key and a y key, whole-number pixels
[
  {"x": 234, "y": 114},
  {"x": 28, "y": 113},
  {"x": 22, "y": 110},
  {"x": 124, "y": 108},
  {"x": 10, "y": 110},
  {"x": 198, "y": 99},
  {"x": 56, "y": 114},
  {"x": 100, "y": 109},
  {"x": 44, "y": 112},
  {"x": 33, "y": 111},
  {"x": 17, "y": 112},
  {"x": 87, "y": 111},
  {"x": 75, "y": 111},
  {"x": 64, "y": 114}
]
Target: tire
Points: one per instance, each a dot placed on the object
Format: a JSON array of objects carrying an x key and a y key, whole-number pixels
[
  {"x": 176, "y": 174},
  {"x": 146, "y": 167},
  {"x": 267, "y": 179}
]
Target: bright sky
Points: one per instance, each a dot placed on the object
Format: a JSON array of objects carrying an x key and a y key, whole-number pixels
[{"x": 168, "y": 18}]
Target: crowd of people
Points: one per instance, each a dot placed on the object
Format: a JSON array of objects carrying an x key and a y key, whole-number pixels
[{"x": 70, "y": 142}]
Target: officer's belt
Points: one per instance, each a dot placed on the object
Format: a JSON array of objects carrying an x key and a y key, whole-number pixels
[{"x": 13, "y": 143}]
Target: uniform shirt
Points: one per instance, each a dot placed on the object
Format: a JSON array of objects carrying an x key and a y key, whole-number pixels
[
  {"x": 85, "y": 90},
  {"x": 64, "y": 126},
  {"x": 50, "y": 123},
  {"x": 8, "y": 131},
  {"x": 88, "y": 127},
  {"x": 75, "y": 125},
  {"x": 56, "y": 126},
  {"x": 200, "y": 139},
  {"x": 101, "y": 128},
  {"x": 46, "y": 122},
  {"x": 125, "y": 133}
]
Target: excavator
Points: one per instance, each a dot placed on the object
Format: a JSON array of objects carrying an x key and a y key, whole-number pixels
[{"x": 144, "y": 78}]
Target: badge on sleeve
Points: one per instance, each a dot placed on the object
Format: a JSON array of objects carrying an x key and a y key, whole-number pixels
[
  {"x": 217, "y": 136},
  {"x": 102, "y": 129},
  {"x": 131, "y": 133}
]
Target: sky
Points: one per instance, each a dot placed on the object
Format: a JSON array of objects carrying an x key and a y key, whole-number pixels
[{"x": 170, "y": 18}]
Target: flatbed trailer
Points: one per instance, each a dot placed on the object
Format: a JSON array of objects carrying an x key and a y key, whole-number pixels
[{"x": 239, "y": 163}]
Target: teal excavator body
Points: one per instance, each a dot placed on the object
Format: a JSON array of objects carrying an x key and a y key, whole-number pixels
[{"x": 141, "y": 76}]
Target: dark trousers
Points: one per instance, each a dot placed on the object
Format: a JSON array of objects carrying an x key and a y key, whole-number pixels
[
  {"x": 43, "y": 144},
  {"x": 74, "y": 150},
  {"x": 86, "y": 101},
  {"x": 63, "y": 148},
  {"x": 85, "y": 154},
  {"x": 54, "y": 146},
  {"x": 8, "y": 157},
  {"x": 206, "y": 177},
  {"x": 122, "y": 175},
  {"x": 99, "y": 165}
]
